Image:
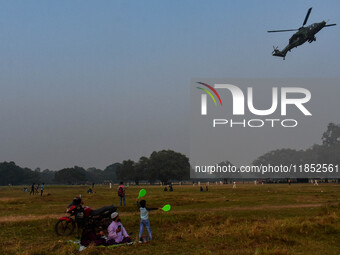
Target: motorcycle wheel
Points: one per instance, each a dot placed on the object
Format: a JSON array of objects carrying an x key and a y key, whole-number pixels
[{"x": 64, "y": 227}]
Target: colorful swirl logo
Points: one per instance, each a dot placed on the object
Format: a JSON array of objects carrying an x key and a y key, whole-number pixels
[{"x": 209, "y": 93}]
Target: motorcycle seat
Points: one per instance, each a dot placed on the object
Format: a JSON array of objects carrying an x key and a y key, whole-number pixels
[{"x": 110, "y": 208}]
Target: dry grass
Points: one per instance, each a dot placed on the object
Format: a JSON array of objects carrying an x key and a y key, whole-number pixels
[{"x": 268, "y": 219}]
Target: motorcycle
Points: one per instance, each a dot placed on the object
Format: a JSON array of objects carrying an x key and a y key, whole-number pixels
[{"x": 83, "y": 217}]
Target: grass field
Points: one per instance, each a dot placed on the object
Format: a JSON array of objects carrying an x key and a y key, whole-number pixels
[{"x": 262, "y": 219}]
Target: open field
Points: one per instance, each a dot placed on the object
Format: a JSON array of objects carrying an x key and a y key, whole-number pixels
[{"x": 262, "y": 219}]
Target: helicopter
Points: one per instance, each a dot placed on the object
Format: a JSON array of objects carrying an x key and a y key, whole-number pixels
[{"x": 303, "y": 35}]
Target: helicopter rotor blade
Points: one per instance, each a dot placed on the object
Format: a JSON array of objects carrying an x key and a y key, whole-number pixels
[
  {"x": 285, "y": 30},
  {"x": 330, "y": 25},
  {"x": 307, "y": 16}
]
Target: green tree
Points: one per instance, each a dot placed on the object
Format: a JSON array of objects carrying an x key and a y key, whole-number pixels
[
  {"x": 280, "y": 157},
  {"x": 94, "y": 175},
  {"x": 75, "y": 175},
  {"x": 126, "y": 170},
  {"x": 47, "y": 176},
  {"x": 110, "y": 172},
  {"x": 140, "y": 170},
  {"x": 332, "y": 135},
  {"x": 10, "y": 173},
  {"x": 168, "y": 165}
]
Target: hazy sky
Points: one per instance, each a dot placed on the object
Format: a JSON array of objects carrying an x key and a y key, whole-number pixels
[{"x": 91, "y": 83}]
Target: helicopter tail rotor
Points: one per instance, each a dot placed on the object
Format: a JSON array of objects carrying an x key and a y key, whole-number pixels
[
  {"x": 278, "y": 53},
  {"x": 275, "y": 50}
]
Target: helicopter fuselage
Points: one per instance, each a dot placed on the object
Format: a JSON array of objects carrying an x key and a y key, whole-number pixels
[{"x": 306, "y": 34}]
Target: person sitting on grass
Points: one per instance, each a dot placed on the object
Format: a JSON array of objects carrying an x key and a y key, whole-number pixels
[
  {"x": 144, "y": 219},
  {"x": 117, "y": 233},
  {"x": 89, "y": 236}
]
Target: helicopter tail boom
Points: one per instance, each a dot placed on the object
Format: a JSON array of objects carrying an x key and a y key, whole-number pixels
[{"x": 276, "y": 52}]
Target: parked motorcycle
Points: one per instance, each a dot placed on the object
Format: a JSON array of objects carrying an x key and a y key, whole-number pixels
[{"x": 83, "y": 217}]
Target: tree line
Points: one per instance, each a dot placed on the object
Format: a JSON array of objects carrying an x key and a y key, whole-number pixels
[
  {"x": 164, "y": 166},
  {"x": 326, "y": 153},
  {"x": 167, "y": 165}
]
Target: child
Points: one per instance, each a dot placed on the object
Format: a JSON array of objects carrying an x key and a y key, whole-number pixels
[
  {"x": 144, "y": 219},
  {"x": 42, "y": 189}
]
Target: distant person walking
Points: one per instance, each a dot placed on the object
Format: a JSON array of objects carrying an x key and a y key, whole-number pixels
[
  {"x": 32, "y": 189},
  {"x": 234, "y": 185},
  {"x": 121, "y": 193},
  {"x": 42, "y": 189}
]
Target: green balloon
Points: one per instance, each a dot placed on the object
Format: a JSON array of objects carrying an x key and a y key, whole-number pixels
[
  {"x": 142, "y": 193},
  {"x": 166, "y": 208}
]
